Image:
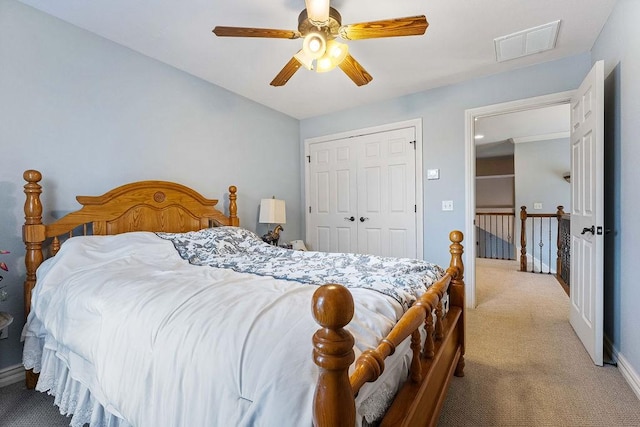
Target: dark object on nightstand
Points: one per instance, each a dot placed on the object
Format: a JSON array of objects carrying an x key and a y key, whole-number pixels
[{"x": 272, "y": 236}]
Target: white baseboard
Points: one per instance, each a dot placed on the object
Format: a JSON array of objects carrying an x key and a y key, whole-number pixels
[
  {"x": 625, "y": 368},
  {"x": 11, "y": 375},
  {"x": 629, "y": 374}
]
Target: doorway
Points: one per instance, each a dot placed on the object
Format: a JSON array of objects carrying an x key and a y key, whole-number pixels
[
  {"x": 523, "y": 159},
  {"x": 587, "y": 194},
  {"x": 471, "y": 116}
]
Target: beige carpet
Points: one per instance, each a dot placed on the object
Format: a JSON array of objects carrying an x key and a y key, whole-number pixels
[{"x": 524, "y": 364}]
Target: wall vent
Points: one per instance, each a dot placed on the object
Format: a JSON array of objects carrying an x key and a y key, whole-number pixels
[{"x": 527, "y": 42}]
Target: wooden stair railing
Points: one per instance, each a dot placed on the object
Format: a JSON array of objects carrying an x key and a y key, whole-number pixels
[{"x": 561, "y": 243}]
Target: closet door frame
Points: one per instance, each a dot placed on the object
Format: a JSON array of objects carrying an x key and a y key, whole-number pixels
[{"x": 419, "y": 196}]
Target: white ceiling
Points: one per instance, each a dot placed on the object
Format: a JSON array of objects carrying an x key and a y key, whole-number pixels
[
  {"x": 458, "y": 44},
  {"x": 501, "y": 131}
]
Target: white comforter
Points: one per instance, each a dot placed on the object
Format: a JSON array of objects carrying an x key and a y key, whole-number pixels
[{"x": 160, "y": 342}]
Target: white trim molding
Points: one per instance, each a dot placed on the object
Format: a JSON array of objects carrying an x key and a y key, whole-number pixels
[
  {"x": 470, "y": 172},
  {"x": 11, "y": 375},
  {"x": 626, "y": 369},
  {"x": 544, "y": 137}
]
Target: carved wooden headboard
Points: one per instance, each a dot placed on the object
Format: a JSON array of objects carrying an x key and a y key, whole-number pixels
[{"x": 139, "y": 206}]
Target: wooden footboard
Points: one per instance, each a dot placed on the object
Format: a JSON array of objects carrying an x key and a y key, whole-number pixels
[{"x": 434, "y": 362}]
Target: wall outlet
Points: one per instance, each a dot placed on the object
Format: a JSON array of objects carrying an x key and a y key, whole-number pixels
[
  {"x": 4, "y": 333},
  {"x": 447, "y": 205},
  {"x": 537, "y": 206}
]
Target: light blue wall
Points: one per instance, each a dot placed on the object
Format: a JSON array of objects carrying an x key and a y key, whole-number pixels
[
  {"x": 619, "y": 46},
  {"x": 539, "y": 167},
  {"x": 442, "y": 113},
  {"x": 91, "y": 115}
]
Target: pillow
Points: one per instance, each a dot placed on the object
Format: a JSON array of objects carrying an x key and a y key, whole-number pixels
[{"x": 203, "y": 244}]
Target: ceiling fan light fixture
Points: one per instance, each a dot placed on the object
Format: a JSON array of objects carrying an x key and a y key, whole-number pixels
[
  {"x": 318, "y": 12},
  {"x": 314, "y": 45},
  {"x": 335, "y": 53},
  {"x": 325, "y": 64},
  {"x": 304, "y": 59},
  {"x": 318, "y": 25}
]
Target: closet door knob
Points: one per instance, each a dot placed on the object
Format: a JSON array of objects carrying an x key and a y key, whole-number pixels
[
  {"x": 349, "y": 218},
  {"x": 363, "y": 219}
]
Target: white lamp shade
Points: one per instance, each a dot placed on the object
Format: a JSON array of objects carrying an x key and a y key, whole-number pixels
[{"x": 272, "y": 211}]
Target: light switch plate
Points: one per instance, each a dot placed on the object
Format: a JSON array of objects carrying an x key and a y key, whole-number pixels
[
  {"x": 447, "y": 205},
  {"x": 433, "y": 173}
]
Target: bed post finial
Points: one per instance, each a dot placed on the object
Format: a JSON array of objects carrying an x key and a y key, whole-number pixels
[
  {"x": 457, "y": 290},
  {"x": 333, "y": 402},
  {"x": 32, "y": 206},
  {"x": 456, "y": 250},
  {"x": 233, "y": 207}
]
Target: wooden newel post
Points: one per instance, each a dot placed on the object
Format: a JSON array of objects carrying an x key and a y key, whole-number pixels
[
  {"x": 559, "y": 215},
  {"x": 333, "y": 402},
  {"x": 523, "y": 238},
  {"x": 456, "y": 293},
  {"x": 33, "y": 234}
]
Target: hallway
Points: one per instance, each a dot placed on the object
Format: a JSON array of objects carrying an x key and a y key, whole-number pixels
[{"x": 524, "y": 364}]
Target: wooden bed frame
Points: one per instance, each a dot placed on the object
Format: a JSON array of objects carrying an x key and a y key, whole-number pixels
[{"x": 170, "y": 207}]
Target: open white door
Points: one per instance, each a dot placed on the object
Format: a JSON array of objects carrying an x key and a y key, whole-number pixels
[{"x": 587, "y": 214}]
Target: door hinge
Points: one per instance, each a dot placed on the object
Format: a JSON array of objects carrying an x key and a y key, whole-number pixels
[
  {"x": 309, "y": 209},
  {"x": 415, "y": 208},
  {"x": 308, "y": 159},
  {"x": 414, "y": 144}
]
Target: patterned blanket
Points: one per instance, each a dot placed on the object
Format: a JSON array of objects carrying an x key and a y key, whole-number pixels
[{"x": 243, "y": 251}]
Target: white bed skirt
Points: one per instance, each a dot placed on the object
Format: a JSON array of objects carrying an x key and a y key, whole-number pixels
[{"x": 72, "y": 397}]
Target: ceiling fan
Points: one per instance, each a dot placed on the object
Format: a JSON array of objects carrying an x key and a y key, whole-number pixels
[{"x": 319, "y": 25}]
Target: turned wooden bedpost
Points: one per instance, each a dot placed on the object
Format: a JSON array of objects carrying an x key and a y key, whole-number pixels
[
  {"x": 33, "y": 234},
  {"x": 333, "y": 402},
  {"x": 233, "y": 207},
  {"x": 457, "y": 290}
]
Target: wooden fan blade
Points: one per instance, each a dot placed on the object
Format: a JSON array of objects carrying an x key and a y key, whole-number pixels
[
  {"x": 355, "y": 71},
  {"x": 409, "y": 26},
  {"x": 285, "y": 74},
  {"x": 255, "y": 32}
]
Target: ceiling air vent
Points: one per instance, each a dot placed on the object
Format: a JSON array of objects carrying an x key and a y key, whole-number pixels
[{"x": 527, "y": 42}]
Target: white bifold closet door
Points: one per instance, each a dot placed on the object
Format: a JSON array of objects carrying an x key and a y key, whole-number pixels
[{"x": 363, "y": 194}]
